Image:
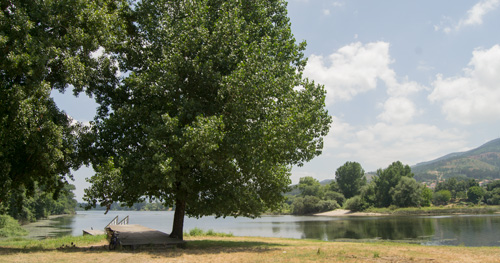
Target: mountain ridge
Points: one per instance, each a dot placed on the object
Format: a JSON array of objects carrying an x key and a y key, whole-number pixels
[{"x": 482, "y": 162}]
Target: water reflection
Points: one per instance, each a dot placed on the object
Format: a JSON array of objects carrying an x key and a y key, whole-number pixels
[
  {"x": 368, "y": 228},
  {"x": 467, "y": 231}
]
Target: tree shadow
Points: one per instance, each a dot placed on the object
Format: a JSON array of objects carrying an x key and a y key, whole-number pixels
[
  {"x": 206, "y": 247},
  {"x": 70, "y": 249},
  {"x": 192, "y": 247}
]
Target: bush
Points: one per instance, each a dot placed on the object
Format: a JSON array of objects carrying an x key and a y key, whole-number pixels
[
  {"x": 356, "y": 204},
  {"x": 10, "y": 227},
  {"x": 442, "y": 197},
  {"x": 406, "y": 193},
  {"x": 426, "y": 197},
  {"x": 475, "y": 194},
  {"x": 493, "y": 197},
  {"x": 326, "y": 205},
  {"x": 197, "y": 232},
  {"x": 339, "y": 197},
  {"x": 312, "y": 204}
]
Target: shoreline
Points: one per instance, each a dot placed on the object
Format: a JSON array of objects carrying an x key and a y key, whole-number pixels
[
  {"x": 427, "y": 211},
  {"x": 344, "y": 213}
]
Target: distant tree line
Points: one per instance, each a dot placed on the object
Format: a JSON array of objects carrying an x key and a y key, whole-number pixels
[
  {"x": 29, "y": 207},
  {"x": 142, "y": 206},
  {"x": 393, "y": 186}
]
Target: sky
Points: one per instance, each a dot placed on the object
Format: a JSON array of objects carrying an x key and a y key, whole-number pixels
[{"x": 406, "y": 81}]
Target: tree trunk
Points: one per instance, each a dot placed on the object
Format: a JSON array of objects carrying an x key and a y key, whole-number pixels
[{"x": 178, "y": 227}]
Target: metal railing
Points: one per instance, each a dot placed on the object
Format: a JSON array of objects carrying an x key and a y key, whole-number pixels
[
  {"x": 115, "y": 221},
  {"x": 124, "y": 221}
]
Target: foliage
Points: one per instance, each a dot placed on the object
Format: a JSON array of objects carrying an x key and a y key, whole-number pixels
[
  {"x": 492, "y": 196},
  {"x": 336, "y": 196},
  {"x": 312, "y": 204},
  {"x": 356, "y": 204},
  {"x": 350, "y": 178},
  {"x": 441, "y": 197},
  {"x": 426, "y": 197},
  {"x": 327, "y": 205},
  {"x": 213, "y": 113},
  {"x": 368, "y": 194},
  {"x": 143, "y": 206},
  {"x": 314, "y": 197},
  {"x": 475, "y": 194},
  {"x": 309, "y": 186},
  {"x": 10, "y": 227},
  {"x": 388, "y": 178},
  {"x": 493, "y": 185},
  {"x": 456, "y": 185},
  {"x": 40, "y": 205},
  {"x": 332, "y": 186},
  {"x": 406, "y": 193},
  {"x": 305, "y": 205},
  {"x": 436, "y": 210},
  {"x": 44, "y": 45}
]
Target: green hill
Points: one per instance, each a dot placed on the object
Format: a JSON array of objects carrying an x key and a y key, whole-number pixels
[{"x": 480, "y": 163}]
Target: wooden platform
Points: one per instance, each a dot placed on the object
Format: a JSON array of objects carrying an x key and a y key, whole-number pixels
[
  {"x": 93, "y": 232},
  {"x": 137, "y": 235}
]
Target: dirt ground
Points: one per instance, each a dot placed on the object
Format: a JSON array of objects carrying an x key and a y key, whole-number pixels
[{"x": 255, "y": 249}]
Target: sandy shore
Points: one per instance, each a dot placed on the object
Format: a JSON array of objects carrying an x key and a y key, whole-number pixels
[{"x": 343, "y": 212}]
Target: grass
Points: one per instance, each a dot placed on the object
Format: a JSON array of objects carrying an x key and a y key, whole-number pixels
[
  {"x": 239, "y": 249},
  {"x": 51, "y": 243},
  {"x": 197, "y": 232},
  {"x": 10, "y": 227}
]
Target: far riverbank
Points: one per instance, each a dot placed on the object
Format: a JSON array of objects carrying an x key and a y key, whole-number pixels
[{"x": 415, "y": 211}]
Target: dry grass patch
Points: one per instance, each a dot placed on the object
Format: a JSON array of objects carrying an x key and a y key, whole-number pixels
[{"x": 255, "y": 249}]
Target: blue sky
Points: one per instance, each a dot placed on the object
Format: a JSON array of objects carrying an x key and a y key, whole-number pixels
[{"x": 406, "y": 80}]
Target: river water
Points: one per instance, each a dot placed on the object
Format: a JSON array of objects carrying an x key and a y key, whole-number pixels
[{"x": 456, "y": 230}]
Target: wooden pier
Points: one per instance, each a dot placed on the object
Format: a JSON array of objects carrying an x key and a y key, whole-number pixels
[
  {"x": 137, "y": 235},
  {"x": 93, "y": 232}
]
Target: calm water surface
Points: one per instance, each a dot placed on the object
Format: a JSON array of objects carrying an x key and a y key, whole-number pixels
[{"x": 466, "y": 230}]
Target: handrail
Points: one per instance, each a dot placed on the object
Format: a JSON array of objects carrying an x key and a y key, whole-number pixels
[
  {"x": 124, "y": 221},
  {"x": 113, "y": 222}
]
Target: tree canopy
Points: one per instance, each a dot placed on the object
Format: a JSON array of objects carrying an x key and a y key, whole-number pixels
[
  {"x": 212, "y": 113},
  {"x": 350, "y": 178},
  {"x": 406, "y": 193},
  {"x": 45, "y": 45},
  {"x": 387, "y": 179},
  {"x": 309, "y": 186}
]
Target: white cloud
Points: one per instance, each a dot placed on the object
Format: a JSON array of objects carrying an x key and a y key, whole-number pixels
[
  {"x": 473, "y": 97},
  {"x": 376, "y": 146},
  {"x": 356, "y": 68},
  {"x": 398, "y": 110},
  {"x": 474, "y": 16},
  {"x": 326, "y": 12},
  {"x": 338, "y": 4},
  {"x": 340, "y": 132},
  {"x": 478, "y": 11}
]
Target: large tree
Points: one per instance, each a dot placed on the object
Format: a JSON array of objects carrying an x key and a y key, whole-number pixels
[
  {"x": 407, "y": 193},
  {"x": 45, "y": 45},
  {"x": 212, "y": 113},
  {"x": 350, "y": 177},
  {"x": 388, "y": 178},
  {"x": 309, "y": 186}
]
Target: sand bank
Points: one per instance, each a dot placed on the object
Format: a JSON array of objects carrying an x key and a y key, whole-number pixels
[{"x": 343, "y": 212}]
